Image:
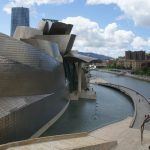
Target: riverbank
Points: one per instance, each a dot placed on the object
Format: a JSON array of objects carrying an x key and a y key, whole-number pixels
[{"x": 144, "y": 78}]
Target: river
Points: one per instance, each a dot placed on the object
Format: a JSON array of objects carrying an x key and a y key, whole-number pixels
[
  {"x": 138, "y": 85},
  {"x": 110, "y": 106}
]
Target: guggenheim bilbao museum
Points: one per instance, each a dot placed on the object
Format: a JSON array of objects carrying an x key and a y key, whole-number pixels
[{"x": 39, "y": 75}]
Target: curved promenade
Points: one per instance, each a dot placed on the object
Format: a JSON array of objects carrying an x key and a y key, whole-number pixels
[{"x": 141, "y": 104}]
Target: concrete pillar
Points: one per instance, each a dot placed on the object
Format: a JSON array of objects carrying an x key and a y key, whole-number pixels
[{"x": 79, "y": 77}]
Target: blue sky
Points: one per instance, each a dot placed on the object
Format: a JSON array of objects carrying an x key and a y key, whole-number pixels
[{"x": 112, "y": 20}]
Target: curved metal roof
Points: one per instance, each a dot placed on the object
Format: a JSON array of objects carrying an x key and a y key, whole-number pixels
[{"x": 74, "y": 56}]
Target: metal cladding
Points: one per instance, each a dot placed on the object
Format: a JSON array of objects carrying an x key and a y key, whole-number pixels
[
  {"x": 27, "y": 73},
  {"x": 44, "y": 26},
  {"x": 65, "y": 42},
  {"x": 23, "y": 32},
  {"x": 50, "y": 27},
  {"x": 32, "y": 78},
  {"x": 49, "y": 48},
  {"x": 24, "y": 116},
  {"x": 57, "y": 32},
  {"x": 76, "y": 57},
  {"x": 19, "y": 17},
  {"x": 28, "y": 68},
  {"x": 24, "y": 53}
]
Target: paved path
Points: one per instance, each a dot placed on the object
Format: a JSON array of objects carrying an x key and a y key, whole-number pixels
[
  {"x": 142, "y": 106},
  {"x": 96, "y": 80},
  {"x": 127, "y": 139}
]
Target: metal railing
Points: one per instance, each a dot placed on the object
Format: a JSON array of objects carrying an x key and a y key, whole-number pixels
[{"x": 146, "y": 120}]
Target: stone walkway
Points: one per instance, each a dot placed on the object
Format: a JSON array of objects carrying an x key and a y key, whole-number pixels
[
  {"x": 96, "y": 80},
  {"x": 127, "y": 138},
  {"x": 101, "y": 139}
]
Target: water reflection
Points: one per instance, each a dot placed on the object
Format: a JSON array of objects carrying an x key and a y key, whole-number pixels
[{"x": 110, "y": 106}]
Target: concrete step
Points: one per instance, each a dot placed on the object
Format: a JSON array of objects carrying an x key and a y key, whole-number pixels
[
  {"x": 105, "y": 138},
  {"x": 80, "y": 143}
]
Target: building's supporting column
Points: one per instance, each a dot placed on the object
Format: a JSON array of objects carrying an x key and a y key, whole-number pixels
[
  {"x": 79, "y": 77},
  {"x": 82, "y": 94}
]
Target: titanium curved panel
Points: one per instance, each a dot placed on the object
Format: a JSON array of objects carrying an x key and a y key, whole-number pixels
[
  {"x": 28, "y": 71},
  {"x": 65, "y": 42},
  {"x": 44, "y": 26},
  {"x": 25, "y": 54},
  {"x": 18, "y": 80},
  {"x": 18, "y": 51},
  {"x": 23, "y": 32},
  {"x": 23, "y": 123},
  {"x": 48, "y": 47},
  {"x": 24, "y": 71}
]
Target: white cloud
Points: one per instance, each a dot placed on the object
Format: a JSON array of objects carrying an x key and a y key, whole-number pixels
[
  {"x": 110, "y": 40},
  {"x": 138, "y": 10},
  {"x": 30, "y": 3},
  {"x": 141, "y": 43}
]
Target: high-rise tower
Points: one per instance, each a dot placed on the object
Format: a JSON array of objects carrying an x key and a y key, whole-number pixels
[{"x": 19, "y": 17}]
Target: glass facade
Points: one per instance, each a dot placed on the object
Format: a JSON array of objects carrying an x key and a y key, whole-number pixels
[{"x": 19, "y": 17}]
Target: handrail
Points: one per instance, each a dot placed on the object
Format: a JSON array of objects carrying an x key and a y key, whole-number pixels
[
  {"x": 136, "y": 92},
  {"x": 146, "y": 120}
]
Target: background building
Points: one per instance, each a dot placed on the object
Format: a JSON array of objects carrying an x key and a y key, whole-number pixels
[
  {"x": 136, "y": 55},
  {"x": 19, "y": 17},
  {"x": 136, "y": 60},
  {"x": 128, "y": 55}
]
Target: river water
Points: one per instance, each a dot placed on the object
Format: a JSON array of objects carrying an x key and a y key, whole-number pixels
[
  {"x": 110, "y": 106},
  {"x": 138, "y": 85}
]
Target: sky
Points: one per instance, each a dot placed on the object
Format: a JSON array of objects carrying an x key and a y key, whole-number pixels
[{"x": 108, "y": 27}]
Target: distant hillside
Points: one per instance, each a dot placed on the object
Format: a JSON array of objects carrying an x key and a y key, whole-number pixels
[{"x": 97, "y": 56}]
